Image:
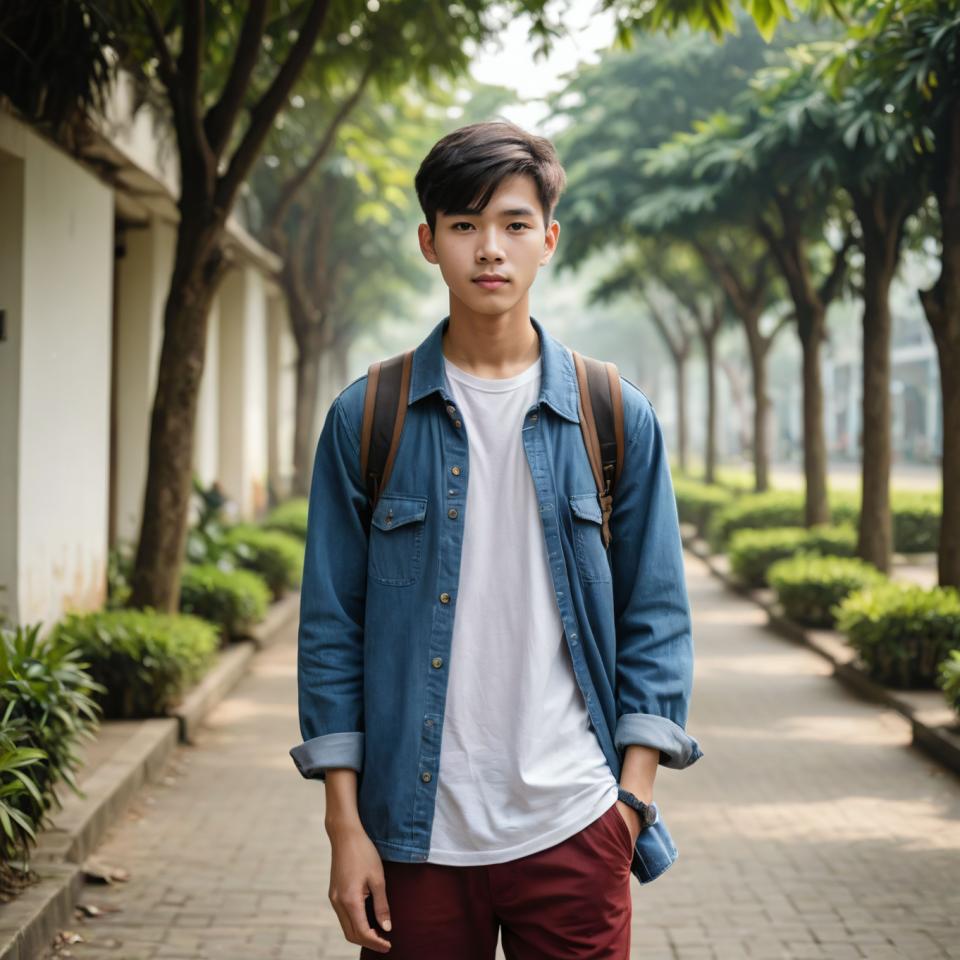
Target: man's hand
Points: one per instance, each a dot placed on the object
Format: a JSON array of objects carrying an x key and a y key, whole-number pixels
[
  {"x": 355, "y": 872},
  {"x": 632, "y": 818}
]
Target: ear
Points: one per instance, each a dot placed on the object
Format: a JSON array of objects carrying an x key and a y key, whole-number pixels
[
  {"x": 550, "y": 239},
  {"x": 427, "y": 247}
]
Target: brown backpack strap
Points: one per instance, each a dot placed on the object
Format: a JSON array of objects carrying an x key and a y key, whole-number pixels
[
  {"x": 601, "y": 423},
  {"x": 384, "y": 409}
]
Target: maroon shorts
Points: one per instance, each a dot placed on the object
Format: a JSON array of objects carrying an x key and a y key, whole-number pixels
[{"x": 567, "y": 902}]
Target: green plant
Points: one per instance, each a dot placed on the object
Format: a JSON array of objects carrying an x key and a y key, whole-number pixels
[
  {"x": 46, "y": 698},
  {"x": 948, "y": 678},
  {"x": 916, "y": 522},
  {"x": 809, "y": 586},
  {"x": 901, "y": 631},
  {"x": 752, "y": 552},
  {"x": 206, "y": 539},
  {"x": 119, "y": 570},
  {"x": 232, "y": 599},
  {"x": 697, "y": 501},
  {"x": 143, "y": 659},
  {"x": 289, "y": 517},
  {"x": 18, "y": 789},
  {"x": 276, "y": 556}
]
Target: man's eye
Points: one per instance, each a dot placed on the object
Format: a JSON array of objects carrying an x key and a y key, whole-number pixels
[
  {"x": 519, "y": 224},
  {"x": 462, "y": 223}
]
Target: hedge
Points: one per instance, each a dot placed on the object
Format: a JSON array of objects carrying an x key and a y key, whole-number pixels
[
  {"x": 232, "y": 599},
  {"x": 752, "y": 552},
  {"x": 145, "y": 660},
  {"x": 697, "y": 501},
  {"x": 289, "y": 517},
  {"x": 949, "y": 678},
  {"x": 916, "y": 516},
  {"x": 809, "y": 586},
  {"x": 902, "y": 631},
  {"x": 276, "y": 556}
]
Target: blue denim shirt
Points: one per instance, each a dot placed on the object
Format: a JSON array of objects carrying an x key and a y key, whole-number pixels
[{"x": 377, "y": 612}]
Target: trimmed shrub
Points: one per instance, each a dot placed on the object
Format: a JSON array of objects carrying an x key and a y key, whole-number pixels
[
  {"x": 916, "y": 516},
  {"x": 809, "y": 586},
  {"x": 289, "y": 517},
  {"x": 144, "y": 660},
  {"x": 232, "y": 599},
  {"x": 775, "y": 508},
  {"x": 752, "y": 552},
  {"x": 276, "y": 556},
  {"x": 48, "y": 710},
  {"x": 902, "y": 631},
  {"x": 948, "y": 678},
  {"x": 916, "y": 522},
  {"x": 697, "y": 501}
]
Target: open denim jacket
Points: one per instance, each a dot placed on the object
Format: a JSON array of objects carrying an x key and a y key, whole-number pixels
[{"x": 377, "y": 611}]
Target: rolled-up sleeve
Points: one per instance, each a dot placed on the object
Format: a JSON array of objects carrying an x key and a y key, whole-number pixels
[
  {"x": 654, "y": 638},
  {"x": 332, "y": 599}
]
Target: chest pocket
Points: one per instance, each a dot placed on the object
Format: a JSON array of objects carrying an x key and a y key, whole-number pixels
[
  {"x": 396, "y": 539},
  {"x": 592, "y": 558}
]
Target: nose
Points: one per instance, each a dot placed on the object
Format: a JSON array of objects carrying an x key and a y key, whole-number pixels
[{"x": 488, "y": 245}]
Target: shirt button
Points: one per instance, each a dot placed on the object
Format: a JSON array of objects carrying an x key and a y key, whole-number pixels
[
  {"x": 457, "y": 423},
  {"x": 428, "y": 722},
  {"x": 455, "y": 471},
  {"x": 452, "y": 513},
  {"x": 452, "y": 492},
  {"x": 425, "y": 776},
  {"x": 437, "y": 662},
  {"x": 451, "y": 408},
  {"x": 533, "y": 416},
  {"x": 444, "y": 597}
]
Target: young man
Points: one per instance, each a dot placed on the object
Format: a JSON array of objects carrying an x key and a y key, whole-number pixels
[{"x": 485, "y": 688}]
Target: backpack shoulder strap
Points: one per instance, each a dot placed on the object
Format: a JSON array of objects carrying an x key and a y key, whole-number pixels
[
  {"x": 601, "y": 423},
  {"x": 384, "y": 409}
]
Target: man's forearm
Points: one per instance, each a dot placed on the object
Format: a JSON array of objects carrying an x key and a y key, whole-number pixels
[
  {"x": 341, "y": 813},
  {"x": 639, "y": 770}
]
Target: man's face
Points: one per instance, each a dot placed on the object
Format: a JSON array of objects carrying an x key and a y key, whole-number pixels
[{"x": 506, "y": 238}]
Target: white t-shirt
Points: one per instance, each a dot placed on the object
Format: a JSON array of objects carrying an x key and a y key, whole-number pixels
[{"x": 520, "y": 767}]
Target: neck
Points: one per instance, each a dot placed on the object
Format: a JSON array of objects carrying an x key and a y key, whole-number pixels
[{"x": 491, "y": 345}]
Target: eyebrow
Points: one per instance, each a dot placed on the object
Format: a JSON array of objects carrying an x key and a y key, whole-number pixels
[{"x": 474, "y": 212}]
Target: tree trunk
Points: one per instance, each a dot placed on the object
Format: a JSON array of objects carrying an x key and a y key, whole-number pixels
[
  {"x": 198, "y": 268},
  {"x": 948, "y": 556},
  {"x": 680, "y": 369},
  {"x": 942, "y": 307},
  {"x": 308, "y": 387},
  {"x": 812, "y": 329},
  {"x": 881, "y": 244},
  {"x": 710, "y": 355},
  {"x": 758, "y": 367}
]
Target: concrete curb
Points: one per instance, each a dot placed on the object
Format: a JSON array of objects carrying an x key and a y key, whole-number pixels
[
  {"x": 29, "y": 923},
  {"x": 935, "y": 727}
]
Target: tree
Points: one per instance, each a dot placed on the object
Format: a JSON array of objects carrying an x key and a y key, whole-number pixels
[
  {"x": 209, "y": 63},
  {"x": 911, "y": 52}
]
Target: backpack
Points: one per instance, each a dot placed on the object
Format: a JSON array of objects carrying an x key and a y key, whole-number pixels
[{"x": 600, "y": 405}]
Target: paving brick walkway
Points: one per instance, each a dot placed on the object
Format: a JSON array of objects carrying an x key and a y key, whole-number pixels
[{"x": 810, "y": 828}]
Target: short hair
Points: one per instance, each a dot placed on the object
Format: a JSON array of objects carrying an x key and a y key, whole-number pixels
[{"x": 464, "y": 168}]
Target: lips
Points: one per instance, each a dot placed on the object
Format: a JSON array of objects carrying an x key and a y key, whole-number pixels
[{"x": 490, "y": 283}]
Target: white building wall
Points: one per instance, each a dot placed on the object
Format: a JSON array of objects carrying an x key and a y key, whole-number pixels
[
  {"x": 142, "y": 283},
  {"x": 62, "y": 406},
  {"x": 244, "y": 455}
]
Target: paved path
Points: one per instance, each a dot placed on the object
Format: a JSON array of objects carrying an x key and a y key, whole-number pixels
[{"x": 809, "y": 829}]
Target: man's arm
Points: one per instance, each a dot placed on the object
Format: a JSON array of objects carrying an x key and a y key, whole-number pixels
[
  {"x": 332, "y": 597},
  {"x": 654, "y": 639}
]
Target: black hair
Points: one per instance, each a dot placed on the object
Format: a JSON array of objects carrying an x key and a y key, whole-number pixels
[{"x": 464, "y": 168}]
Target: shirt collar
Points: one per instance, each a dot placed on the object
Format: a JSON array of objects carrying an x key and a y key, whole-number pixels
[{"x": 558, "y": 379}]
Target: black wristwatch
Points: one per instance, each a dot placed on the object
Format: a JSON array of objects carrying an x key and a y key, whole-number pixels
[{"x": 647, "y": 811}]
